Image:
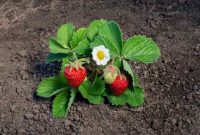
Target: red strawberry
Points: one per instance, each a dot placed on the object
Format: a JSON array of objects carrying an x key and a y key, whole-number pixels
[
  {"x": 119, "y": 85},
  {"x": 75, "y": 76}
]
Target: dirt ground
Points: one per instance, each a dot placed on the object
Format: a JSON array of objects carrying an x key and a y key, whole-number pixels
[{"x": 172, "y": 84}]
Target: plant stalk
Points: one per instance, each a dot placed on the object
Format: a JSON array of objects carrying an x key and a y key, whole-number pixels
[{"x": 75, "y": 56}]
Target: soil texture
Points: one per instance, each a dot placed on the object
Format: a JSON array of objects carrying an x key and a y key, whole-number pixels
[{"x": 172, "y": 84}]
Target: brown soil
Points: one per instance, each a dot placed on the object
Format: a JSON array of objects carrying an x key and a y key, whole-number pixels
[{"x": 172, "y": 85}]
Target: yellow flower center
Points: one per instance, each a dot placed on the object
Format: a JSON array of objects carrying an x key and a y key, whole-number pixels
[{"x": 100, "y": 55}]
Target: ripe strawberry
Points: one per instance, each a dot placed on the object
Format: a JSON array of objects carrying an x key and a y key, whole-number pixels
[
  {"x": 119, "y": 85},
  {"x": 75, "y": 76}
]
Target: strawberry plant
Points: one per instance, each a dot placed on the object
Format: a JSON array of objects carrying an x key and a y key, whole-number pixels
[{"x": 95, "y": 63}]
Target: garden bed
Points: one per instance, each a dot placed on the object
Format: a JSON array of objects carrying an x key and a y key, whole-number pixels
[{"x": 172, "y": 84}]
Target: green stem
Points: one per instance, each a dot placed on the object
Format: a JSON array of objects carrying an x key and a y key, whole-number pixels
[
  {"x": 112, "y": 61},
  {"x": 93, "y": 76},
  {"x": 75, "y": 56}
]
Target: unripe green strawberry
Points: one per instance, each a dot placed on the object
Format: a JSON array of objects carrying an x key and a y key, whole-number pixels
[
  {"x": 119, "y": 85},
  {"x": 110, "y": 73},
  {"x": 75, "y": 76},
  {"x": 109, "y": 77}
]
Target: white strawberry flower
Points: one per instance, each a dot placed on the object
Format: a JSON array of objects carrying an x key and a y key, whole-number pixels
[{"x": 100, "y": 55}]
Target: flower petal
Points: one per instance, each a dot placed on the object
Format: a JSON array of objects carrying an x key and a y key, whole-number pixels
[{"x": 98, "y": 61}]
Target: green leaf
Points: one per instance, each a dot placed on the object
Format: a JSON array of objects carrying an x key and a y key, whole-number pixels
[
  {"x": 94, "y": 27},
  {"x": 112, "y": 32},
  {"x": 123, "y": 43},
  {"x": 65, "y": 33},
  {"x": 128, "y": 69},
  {"x": 107, "y": 43},
  {"x": 78, "y": 36},
  {"x": 97, "y": 87},
  {"x": 60, "y": 104},
  {"x": 51, "y": 86},
  {"x": 84, "y": 89},
  {"x": 117, "y": 100},
  {"x": 64, "y": 64},
  {"x": 72, "y": 98},
  {"x": 63, "y": 102},
  {"x": 83, "y": 48},
  {"x": 142, "y": 49},
  {"x": 55, "y": 46},
  {"x": 55, "y": 57},
  {"x": 136, "y": 97}
]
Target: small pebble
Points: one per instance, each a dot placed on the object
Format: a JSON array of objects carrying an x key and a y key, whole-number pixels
[
  {"x": 197, "y": 48},
  {"x": 169, "y": 7},
  {"x": 44, "y": 106},
  {"x": 40, "y": 128},
  {"x": 137, "y": 67},
  {"x": 195, "y": 87},
  {"x": 29, "y": 116},
  {"x": 23, "y": 53},
  {"x": 21, "y": 132},
  {"x": 68, "y": 122},
  {"x": 79, "y": 109},
  {"x": 81, "y": 129},
  {"x": 35, "y": 111},
  {"x": 43, "y": 45},
  {"x": 180, "y": 124},
  {"x": 156, "y": 125},
  {"x": 18, "y": 91},
  {"x": 76, "y": 117},
  {"x": 1, "y": 90},
  {"x": 43, "y": 116},
  {"x": 12, "y": 108},
  {"x": 174, "y": 121},
  {"x": 2, "y": 66},
  {"x": 188, "y": 121}
]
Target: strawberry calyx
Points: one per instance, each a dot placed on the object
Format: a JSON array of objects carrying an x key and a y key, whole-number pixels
[{"x": 78, "y": 63}]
